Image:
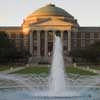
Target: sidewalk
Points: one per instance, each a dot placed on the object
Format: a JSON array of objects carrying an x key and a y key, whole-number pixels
[
  {"x": 97, "y": 71},
  {"x": 11, "y": 70}
]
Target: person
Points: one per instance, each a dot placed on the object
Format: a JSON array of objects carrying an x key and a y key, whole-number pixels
[{"x": 49, "y": 54}]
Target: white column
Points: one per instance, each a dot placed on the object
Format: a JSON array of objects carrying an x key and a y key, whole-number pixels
[
  {"x": 62, "y": 38},
  {"x": 53, "y": 32},
  {"x": 38, "y": 43},
  {"x": 46, "y": 43},
  {"x": 69, "y": 40},
  {"x": 31, "y": 43},
  {"x": 62, "y": 35}
]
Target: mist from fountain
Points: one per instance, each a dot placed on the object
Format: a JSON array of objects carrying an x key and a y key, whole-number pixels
[{"x": 20, "y": 81}]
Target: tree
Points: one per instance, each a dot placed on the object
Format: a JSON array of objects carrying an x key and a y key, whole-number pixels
[
  {"x": 78, "y": 54},
  {"x": 94, "y": 52},
  {"x": 7, "y": 48},
  {"x": 90, "y": 54}
]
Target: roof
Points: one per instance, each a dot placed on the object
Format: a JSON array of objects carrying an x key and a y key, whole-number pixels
[
  {"x": 89, "y": 29},
  {"x": 10, "y": 28},
  {"x": 51, "y": 10}
]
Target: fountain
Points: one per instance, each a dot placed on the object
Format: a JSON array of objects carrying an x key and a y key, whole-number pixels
[
  {"x": 57, "y": 84},
  {"x": 60, "y": 86}
]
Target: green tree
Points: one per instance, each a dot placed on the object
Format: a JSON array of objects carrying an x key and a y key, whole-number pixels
[
  {"x": 93, "y": 52},
  {"x": 7, "y": 48},
  {"x": 90, "y": 54},
  {"x": 78, "y": 54}
]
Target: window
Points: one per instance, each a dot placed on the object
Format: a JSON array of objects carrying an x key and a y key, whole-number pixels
[
  {"x": 87, "y": 35},
  {"x": 65, "y": 35},
  {"x": 20, "y": 35},
  {"x": 83, "y": 35},
  {"x": 79, "y": 35},
  {"x": 34, "y": 43},
  {"x": 42, "y": 43},
  {"x": 50, "y": 42},
  {"x": 58, "y": 33},
  {"x": 65, "y": 41},
  {"x": 50, "y": 36},
  {"x": 13, "y": 36},
  {"x": 96, "y": 35},
  {"x": 83, "y": 43}
]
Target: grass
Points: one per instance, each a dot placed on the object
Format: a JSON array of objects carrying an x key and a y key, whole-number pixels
[
  {"x": 39, "y": 70},
  {"x": 75, "y": 70},
  {"x": 95, "y": 67},
  {"x": 3, "y": 68},
  {"x": 31, "y": 70}
]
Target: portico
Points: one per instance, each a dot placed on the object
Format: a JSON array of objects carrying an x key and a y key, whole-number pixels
[{"x": 41, "y": 42}]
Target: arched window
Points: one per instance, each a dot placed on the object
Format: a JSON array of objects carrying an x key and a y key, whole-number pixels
[
  {"x": 50, "y": 42},
  {"x": 50, "y": 36},
  {"x": 34, "y": 43},
  {"x": 65, "y": 42},
  {"x": 58, "y": 33},
  {"x": 42, "y": 43},
  {"x": 65, "y": 35}
]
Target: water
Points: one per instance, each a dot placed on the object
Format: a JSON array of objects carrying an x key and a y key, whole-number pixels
[
  {"x": 57, "y": 79},
  {"x": 60, "y": 86},
  {"x": 14, "y": 89}
]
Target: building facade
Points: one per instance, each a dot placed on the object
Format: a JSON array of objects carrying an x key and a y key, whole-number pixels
[{"x": 36, "y": 34}]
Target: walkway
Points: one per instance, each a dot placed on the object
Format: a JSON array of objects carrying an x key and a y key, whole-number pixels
[
  {"x": 97, "y": 71},
  {"x": 11, "y": 70}
]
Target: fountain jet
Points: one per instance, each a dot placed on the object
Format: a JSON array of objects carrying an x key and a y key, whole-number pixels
[{"x": 57, "y": 80}]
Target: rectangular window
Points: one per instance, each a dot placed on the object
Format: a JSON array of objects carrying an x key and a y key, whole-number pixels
[
  {"x": 96, "y": 35},
  {"x": 13, "y": 36},
  {"x": 83, "y": 43},
  {"x": 87, "y": 35},
  {"x": 83, "y": 35}
]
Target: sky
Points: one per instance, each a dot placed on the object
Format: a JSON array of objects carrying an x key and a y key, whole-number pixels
[{"x": 12, "y": 12}]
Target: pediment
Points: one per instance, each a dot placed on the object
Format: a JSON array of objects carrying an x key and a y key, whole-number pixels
[{"x": 54, "y": 22}]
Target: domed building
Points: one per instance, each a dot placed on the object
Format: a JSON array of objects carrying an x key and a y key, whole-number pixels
[{"x": 36, "y": 34}]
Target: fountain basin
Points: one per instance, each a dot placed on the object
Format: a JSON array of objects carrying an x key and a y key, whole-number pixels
[
  {"x": 24, "y": 94},
  {"x": 61, "y": 98}
]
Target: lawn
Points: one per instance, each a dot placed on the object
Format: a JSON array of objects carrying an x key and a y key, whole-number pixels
[
  {"x": 31, "y": 70},
  {"x": 75, "y": 70},
  {"x": 39, "y": 70},
  {"x": 3, "y": 68},
  {"x": 95, "y": 67}
]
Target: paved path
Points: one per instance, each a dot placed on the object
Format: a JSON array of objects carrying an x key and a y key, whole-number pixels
[
  {"x": 97, "y": 71},
  {"x": 11, "y": 70},
  {"x": 90, "y": 69}
]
